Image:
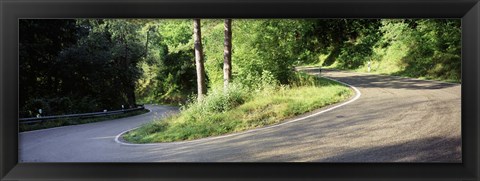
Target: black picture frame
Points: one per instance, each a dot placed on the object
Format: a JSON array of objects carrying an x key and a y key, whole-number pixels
[{"x": 12, "y": 10}]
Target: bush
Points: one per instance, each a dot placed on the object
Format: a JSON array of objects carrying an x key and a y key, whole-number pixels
[
  {"x": 31, "y": 107},
  {"x": 219, "y": 100},
  {"x": 257, "y": 83},
  {"x": 420, "y": 48},
  {"x": 50, "y": 106}
]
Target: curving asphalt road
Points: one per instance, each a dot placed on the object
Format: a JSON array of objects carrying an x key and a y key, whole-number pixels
[{"x": 394, "y": 120}]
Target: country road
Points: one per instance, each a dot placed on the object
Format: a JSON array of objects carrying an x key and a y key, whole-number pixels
[{"x": 394, "y": 120}]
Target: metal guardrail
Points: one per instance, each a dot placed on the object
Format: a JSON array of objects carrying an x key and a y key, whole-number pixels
[{"x": 82, "y": 115}]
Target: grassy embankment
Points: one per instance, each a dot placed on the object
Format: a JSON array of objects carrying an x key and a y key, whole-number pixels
[
  {"x": 240, "y": 108},
  {"x": 75, "y": 121}
]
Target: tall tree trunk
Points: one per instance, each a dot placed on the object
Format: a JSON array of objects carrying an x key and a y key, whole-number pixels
[
  {"x": 201, "y": 87},
  {"x": 227, "y": 53}
]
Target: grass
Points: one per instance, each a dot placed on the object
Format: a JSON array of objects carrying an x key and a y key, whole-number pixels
[
  {"x": 239, "y": 109},
  {"x": 74, "y": 121}
]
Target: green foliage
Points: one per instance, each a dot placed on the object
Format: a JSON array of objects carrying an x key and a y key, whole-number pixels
[
  {"x": 219, "y": 100},
  {"x": 169, "y": 77},
  {"x": 426, "y": 48},
  {"x": 40, "y": 41},
  {"x": 176, "y": 77},
  {"x": 271, "y": 46},
  {"x": 105, "y": 60},
  {"x": 212, "y": 37},
  {"x": 176, "y": 34},
  {"x": 357, "y": 53},
  {"x": 79, "y": 76},
  {"x": 266, "y": 80},
  {"x": 300, "y": 79},
  {"x": 421, "y": 48},
  {"x": 264, "y": 53},
  {"x": 435, "y": 50},
  {"x": 340, "y": 37}
]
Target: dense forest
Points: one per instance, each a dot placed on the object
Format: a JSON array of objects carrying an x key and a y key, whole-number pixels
[{"x": 85, "y": 65}]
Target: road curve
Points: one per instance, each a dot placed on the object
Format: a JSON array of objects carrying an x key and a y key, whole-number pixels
[{"x": 395, "y": 120}]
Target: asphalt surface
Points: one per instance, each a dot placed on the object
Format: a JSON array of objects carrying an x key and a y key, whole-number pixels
[{"x": 394, "y": 120}]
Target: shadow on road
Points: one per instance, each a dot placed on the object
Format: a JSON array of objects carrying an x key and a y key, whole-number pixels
[
  {"x": 433, "y": 149},
  {"x": 380, "y": 81}
]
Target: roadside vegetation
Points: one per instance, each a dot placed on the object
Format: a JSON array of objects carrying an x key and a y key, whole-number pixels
[
  {"x": 420, "y": 48},
  {"x": 240, "y": 108}
]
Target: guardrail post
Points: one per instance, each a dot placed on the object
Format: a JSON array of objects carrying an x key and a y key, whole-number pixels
[{"x": 39, "y": 113}]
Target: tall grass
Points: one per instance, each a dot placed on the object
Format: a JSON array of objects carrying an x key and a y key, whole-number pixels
[{"x": 241, "y": 108}]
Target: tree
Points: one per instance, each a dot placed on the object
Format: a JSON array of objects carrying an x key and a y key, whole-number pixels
[
  {"x": 102, "y": 66},
  {"x": 127, "y": 51},
  {"x": 40, "y": 41},
  {"x": 169, "y": 72},
  {"x": 201, "y": 86},
  {"x": 75, "y": 66},
  {"x": 227, "y": 53}
]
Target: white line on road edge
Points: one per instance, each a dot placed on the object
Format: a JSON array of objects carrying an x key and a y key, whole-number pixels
[{"x": 357, "y": 95}]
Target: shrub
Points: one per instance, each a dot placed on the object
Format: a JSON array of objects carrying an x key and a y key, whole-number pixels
[
  {"x": 219, "y": 100},
  {"x": 257, "y": 83}
]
